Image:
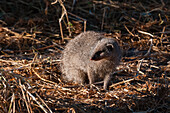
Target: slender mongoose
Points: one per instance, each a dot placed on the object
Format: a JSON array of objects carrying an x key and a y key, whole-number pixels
[{"x": 92, "y": 56}]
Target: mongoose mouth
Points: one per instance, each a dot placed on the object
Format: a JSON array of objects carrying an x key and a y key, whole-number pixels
[{"x": 94, "y": 59}]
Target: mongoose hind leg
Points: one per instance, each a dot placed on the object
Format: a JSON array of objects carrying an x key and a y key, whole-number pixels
[{"x": 78, "y": 76}]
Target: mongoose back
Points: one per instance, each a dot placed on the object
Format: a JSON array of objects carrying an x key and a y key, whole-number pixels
[{"x": 92, "y": 56}]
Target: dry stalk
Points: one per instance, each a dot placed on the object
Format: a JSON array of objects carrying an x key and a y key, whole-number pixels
[
  {"x": 84, "y": 20},
  {"x": 35, "y": 100},
  {"x": 140, "y": 61},
  {"x": 24, "y": 97},
  {"x": 64, "y": 13}
]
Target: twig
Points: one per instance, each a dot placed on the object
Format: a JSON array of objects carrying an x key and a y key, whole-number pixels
[
  {"x": 17, "y": 35},
  {"x": 35, "y": 100},
  {"x": 42, "y": 78},
  {"x": 140, "y": 61},
  {"x": 103, "y": 18},
  {"x": 12, "y": 101},
  {"x": 163, "y": 30},
  {"x": 85, "y": 21},
  {"x": 43, "y": 102},
  {"x": 122, "y": 82},
  {"x": 61, "y": 18},
  {"x": 128, "y": 30},
  {"x": 105, "y": 3},
  {"x": 23, "y": 94},
  {"x": 61, "y": 29},
  {"x": 146, "y": 33},
  {"x": 54, "y": 2},
  {"x": 3, "y": 22}
]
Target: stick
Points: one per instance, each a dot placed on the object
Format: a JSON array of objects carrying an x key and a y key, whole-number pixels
[{"x": 122, "y": 82}]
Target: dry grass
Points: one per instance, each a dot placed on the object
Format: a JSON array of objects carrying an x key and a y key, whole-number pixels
[{"x": 33, "y": 34}]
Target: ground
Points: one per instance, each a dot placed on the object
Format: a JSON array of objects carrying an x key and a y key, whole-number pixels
[{"x": 33, "y": 34}]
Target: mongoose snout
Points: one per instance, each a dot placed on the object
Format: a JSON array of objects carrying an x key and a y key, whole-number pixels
[{"x": 90, "y": 55}]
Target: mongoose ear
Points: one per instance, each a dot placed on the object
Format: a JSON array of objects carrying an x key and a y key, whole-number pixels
[{"x": 110, "y": 47}]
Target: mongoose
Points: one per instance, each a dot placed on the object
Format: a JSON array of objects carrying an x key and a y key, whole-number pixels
[{"x": 92, "y": 56}]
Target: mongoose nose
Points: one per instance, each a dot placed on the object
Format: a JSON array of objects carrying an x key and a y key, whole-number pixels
[{"x": 93, "y": 58}]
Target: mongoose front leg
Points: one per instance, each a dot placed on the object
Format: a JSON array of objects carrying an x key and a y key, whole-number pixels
[
  {"x": 106, "y": 81},
  {"x": 91, "y": 77}
]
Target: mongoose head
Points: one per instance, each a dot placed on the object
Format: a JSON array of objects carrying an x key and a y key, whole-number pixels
[{"x": 107, "y": 48}]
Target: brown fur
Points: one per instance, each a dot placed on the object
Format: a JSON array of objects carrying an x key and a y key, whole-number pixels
[{"x": 90, "y": 55}]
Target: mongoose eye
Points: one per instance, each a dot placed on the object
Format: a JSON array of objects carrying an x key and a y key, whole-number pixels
[{"x": 110, "y": 47}]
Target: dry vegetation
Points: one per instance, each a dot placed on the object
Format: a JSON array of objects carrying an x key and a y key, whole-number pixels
[{"x": 33, "y": 34}]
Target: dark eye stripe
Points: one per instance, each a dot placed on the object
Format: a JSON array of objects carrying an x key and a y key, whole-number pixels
[{"x": 99, "y": 52}]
